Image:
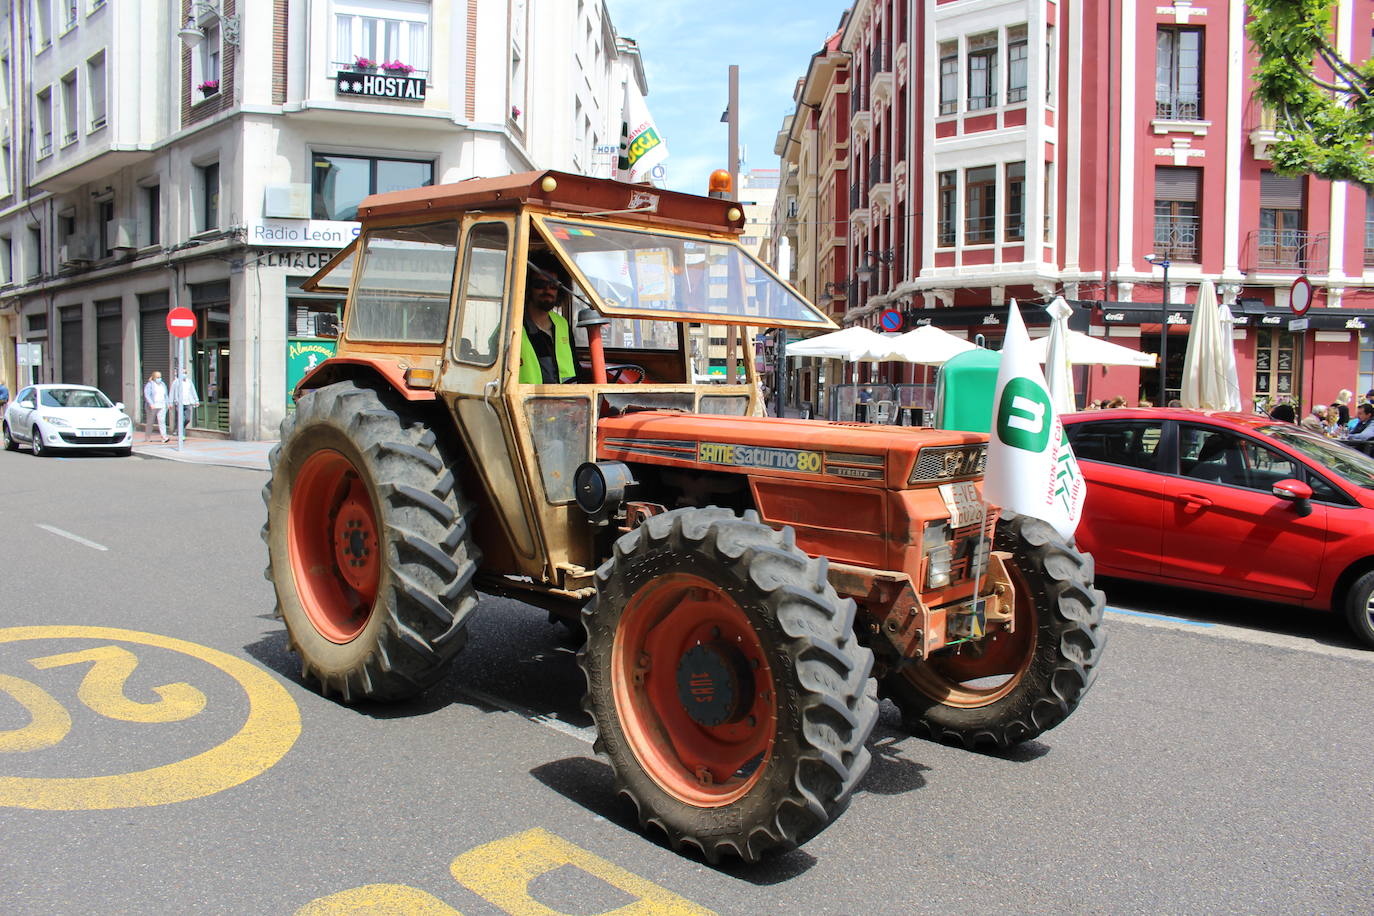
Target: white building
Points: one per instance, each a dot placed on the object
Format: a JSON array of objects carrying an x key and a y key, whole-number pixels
[{"x": 163, "y": 153}]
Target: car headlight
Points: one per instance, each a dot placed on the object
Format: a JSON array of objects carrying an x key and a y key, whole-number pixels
[
  {"x": 55, "y": 421},
  {"x": 939, "y": 554},
  {"x": 124, "y": 423}
]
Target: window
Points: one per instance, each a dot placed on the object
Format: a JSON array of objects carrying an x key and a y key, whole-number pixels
[
  {"x": 1049, "y": 65},
  {"x": 404, "y": 285},
  {"x": 1178, "y": 74},
  {"x": 1128, "y": 443},
  {"x": 1016, "y": 201},
  {"x": 1223, "y": 457},
  {"x": 42, "y": 14},
  {"x": 152, "y": 214},
  {"x": 6, "y": 172},
  {"x": 980, "y": 205},
  {"x": 1176, "y": 212},
  {"x": 1281, "y": 241},
  {"x": 205, "y": 57},
  {"x": 34, "y": 254},
  {"x": 982, "y": 71},
  {"x": 69, "y": 121},
  {"x": 6, "y": 260},
  {"x": 949, "y": 197},
  {"x": 1366, "y": 382},
  {"x": 105, "y": 212},
  {"x": 339, "y": 183},
  {"x": 44, "y": 123},
  {"x": 1017, "y": 61},
  {"x": 1049, "y": 204},
  {"x": 484, "y": 290},
  {"x": 209, "y": 200},
  {"x": 382, "y": 30},
  {"x": 949, "y": 77},
  {"x": 95, "y": 90},
  {"x": 69, "y": 14}
]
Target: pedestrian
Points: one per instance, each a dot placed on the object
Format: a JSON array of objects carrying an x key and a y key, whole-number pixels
[
  {"x": 155, "y": 406},
  {"x": 184, "y": 398},
  {"x": 1116, "y": 402},
  {"x": 4, "y": 397},
  {"x": 1364, "y": 426}
]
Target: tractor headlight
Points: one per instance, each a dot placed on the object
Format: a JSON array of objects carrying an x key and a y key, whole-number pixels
[{"x": 939, "y": 554}]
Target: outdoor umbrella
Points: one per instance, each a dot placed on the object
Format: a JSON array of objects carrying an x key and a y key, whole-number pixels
[
  {"x": 928, "y": 345},
  {"x": 1204, "y": 362},
  {"x": 855, "y": 345},
  {"x": 1058, "y": 371},
  {"x": 1232, "y": 376},
  {"x": 1094, "y": 351}
]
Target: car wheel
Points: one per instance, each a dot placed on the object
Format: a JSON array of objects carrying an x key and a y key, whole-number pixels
[
  {"x": 124, "y": 452},
  {"x": 36, "y": 442},
  {"x": 10, "y": 444},
  {"x": 1359, "y": 608}
]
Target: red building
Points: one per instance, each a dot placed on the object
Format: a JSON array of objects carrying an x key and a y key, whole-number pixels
[{"x": 1030, "y": 148}]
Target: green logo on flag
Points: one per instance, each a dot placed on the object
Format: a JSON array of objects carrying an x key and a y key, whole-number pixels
[
  {"x": 642, "y": 144},
  {"x": 1023, "y": 415}
]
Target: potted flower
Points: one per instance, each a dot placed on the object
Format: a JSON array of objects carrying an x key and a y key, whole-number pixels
[
  {"x": 364, "y": 64},
  {"x": 208, "y": 88},
  {"x": 514, "y": 113},
  {"x": 397, "y": 68}
]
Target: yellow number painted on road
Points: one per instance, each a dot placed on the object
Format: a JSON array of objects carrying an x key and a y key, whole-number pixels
[
  {"x": 48, "y": 724},
  {"x": 102, "y": 689},
  {"x": 271, "y": 728},
  {"x": 379, "y": 900}
]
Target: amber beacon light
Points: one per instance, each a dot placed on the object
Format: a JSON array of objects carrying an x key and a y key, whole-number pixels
[{"x": 719, "y": 184}]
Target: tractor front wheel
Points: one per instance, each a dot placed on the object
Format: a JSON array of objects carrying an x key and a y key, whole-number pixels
[
  {"x": 367, "y": 541},
  {"x": 728, "y": 687},
  {"x": 1009, "y": 687}
]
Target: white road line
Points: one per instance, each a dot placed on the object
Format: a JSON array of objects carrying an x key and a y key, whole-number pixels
[
  {"x": 581, "y": 734},
  {"x": 73, "y": 537},
  {"x": 1241, "y": 634}
]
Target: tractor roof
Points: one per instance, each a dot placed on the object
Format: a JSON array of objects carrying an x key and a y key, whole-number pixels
[{"x": 561, "y": 191}]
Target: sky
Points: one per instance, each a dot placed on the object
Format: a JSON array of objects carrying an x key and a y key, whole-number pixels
[{"x": 688, "y": 47}]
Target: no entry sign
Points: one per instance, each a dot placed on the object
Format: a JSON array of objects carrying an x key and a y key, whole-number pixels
[{"x": 181, "y": 322}]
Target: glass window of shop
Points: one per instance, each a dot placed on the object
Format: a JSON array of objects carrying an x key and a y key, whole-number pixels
[
  {"x": 1276, "y": 368},
  {"x": 312, "y": 324},
  {"x": 1366, "y": 382},
  {"x": 339, "y": 183}
]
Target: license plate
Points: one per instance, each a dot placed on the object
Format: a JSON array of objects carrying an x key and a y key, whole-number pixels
[
  {"x": 92, "y": 432},
  {"x": 964, "y": 505}
]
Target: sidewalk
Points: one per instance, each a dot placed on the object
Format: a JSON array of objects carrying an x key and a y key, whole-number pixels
[{"x": 230, "y": 453}]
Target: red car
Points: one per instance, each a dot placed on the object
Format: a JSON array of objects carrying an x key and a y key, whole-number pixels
[{"x": 1229, "y": 502}]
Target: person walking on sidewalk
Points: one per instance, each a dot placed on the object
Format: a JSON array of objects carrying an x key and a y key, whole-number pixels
[
  {"x": 155, "y": 406},
  {"x": 184, "y": 398}
]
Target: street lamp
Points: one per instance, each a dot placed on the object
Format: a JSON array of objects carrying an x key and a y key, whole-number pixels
[
  {"x": 868, "y": 263},
  {"x": 192, "y": 35},
  {"x": 1163, "y": 328}
]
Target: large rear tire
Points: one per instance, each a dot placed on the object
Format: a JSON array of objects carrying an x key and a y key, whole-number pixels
[
  {"x": 728, "y": 687},
  {"x": 1011, "y": 687},
  {"x": 367, "y": 539}
]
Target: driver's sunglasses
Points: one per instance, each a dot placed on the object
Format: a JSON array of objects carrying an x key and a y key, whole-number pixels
[{"x": 543, "y": 283}]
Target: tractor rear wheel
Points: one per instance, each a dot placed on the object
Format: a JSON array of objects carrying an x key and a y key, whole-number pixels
[
  {"x": 367, "y": 541},
  {"x": 727, "y": 684},
  {"x": 1009, "y": 687}
]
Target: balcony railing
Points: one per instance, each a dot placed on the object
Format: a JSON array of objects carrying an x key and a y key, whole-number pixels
[
  {"x": 879, "y": 171},
  {"x": 1290, "y": 250},
  {"x": 856, "y": 197},
  {"x": 1176, "y": 237},
  {"x": 879, "y": 58},
  {"x": 1178, "y": 106}
]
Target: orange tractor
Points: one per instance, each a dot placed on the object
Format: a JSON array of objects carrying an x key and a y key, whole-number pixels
[{"x": 742, "y": 580}]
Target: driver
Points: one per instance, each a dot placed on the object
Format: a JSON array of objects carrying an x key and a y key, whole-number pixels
[{"x": 545, "y": 344}]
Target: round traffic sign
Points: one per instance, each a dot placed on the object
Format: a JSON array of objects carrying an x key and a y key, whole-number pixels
[
  {"x": 1300, "y": 299},
  {"x": 891, "y": 320},
  {"x": 181, "y": 322}
]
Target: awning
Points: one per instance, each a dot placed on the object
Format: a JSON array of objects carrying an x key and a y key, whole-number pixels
[
  {"x": 1247, "y": 312},
  {"x": 995, "y": 316}
]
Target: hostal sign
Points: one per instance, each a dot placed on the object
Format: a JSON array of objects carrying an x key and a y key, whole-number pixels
[{"x": 407, "y": 88}]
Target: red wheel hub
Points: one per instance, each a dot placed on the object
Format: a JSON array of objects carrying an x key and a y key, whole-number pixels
[
  {"x": 694, "y": 690},
  {"x": 335, "y": 552}
]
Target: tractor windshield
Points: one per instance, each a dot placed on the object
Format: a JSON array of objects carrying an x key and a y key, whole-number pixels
[{"x": 663, "y": 275}]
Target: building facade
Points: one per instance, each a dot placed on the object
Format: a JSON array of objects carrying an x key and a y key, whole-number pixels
[
  {"x": 1025, "y": 149},
  {"x": 164, "y": 153}
]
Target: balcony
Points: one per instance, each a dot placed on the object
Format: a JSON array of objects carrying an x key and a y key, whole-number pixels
[
  {"x": 858, "y": 207},
  {"x": 1178, "y": 106},
  {"x": 1264, "y": 132},
  {"x": 880, "y": 181},
  {"x": 860, "y": 125},
  {"x": 1285, "y": 251},
  {"x": 1176, "y": 238}
]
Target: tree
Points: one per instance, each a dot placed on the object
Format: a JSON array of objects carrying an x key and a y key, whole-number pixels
[{"x": 1324, "y": 103}]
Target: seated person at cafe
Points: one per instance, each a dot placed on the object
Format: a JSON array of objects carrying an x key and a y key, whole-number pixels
[{"x": 546, "y": 344}]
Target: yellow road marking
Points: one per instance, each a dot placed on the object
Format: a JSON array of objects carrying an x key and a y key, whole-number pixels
[
  {"x": 501, "y": 872},
  {"x": 272, "y": 727},
  {"x": 379, "y": 900},
  {"x": 102, "y": 689},
  {"x": 48, "y": 721}
]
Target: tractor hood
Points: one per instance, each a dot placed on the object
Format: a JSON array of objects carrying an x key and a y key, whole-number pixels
[{"x": 894, "y": 457}]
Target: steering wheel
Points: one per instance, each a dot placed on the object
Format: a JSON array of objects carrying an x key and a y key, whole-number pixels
[{"x": 624, "y": 373}]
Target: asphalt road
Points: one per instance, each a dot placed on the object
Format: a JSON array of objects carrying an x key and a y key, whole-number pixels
[{"x": 1220, "y": 764}]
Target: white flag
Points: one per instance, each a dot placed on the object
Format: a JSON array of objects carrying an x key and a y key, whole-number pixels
[
  {"x": 1030, "y": 467},
  {"x": 641, "y": 146}
]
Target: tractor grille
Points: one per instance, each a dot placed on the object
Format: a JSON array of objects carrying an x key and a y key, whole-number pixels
[
  {"x": 949, "y": 463},
  {"x": 968, "y": 557}
]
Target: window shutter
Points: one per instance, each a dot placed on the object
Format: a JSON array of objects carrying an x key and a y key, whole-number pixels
[
  {"x": 1173, "y": 183},
  {"x": 1279, "y": 193}
]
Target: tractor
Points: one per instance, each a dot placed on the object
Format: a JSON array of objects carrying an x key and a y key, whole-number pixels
[{"x": 748, "y": 587}]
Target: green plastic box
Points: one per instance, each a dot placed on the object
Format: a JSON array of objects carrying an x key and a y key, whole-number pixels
[{"x": 964, "y": 390}]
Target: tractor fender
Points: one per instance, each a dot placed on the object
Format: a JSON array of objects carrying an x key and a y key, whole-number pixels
[{"x": 383, "y": 371}]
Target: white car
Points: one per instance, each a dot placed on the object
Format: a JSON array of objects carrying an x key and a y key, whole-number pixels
[{"x": 52, "y": 417}]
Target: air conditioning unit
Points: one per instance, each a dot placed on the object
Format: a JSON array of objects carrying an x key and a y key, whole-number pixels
[
  {"x": 119, "y": 233},
  {"x": 75, "y": 253}
]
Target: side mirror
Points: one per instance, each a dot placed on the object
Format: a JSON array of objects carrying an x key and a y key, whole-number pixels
[
  {"x": 1296, "y": 492},
  {"x": 119, "y": 405}
]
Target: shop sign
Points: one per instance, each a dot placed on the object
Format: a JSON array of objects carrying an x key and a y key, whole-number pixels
[
  {"x": 1114, "y": 316},
  {"x": 302, "y": 233},
  {"x": 301, "y": 357},
  {"x": 406, "y": 88},
  {"x": 1272, "y": 319},
  {"x": 1355, "y": 324},
  {"x": 307, "y": 261},
  {"x": 991, "y": 319}
]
